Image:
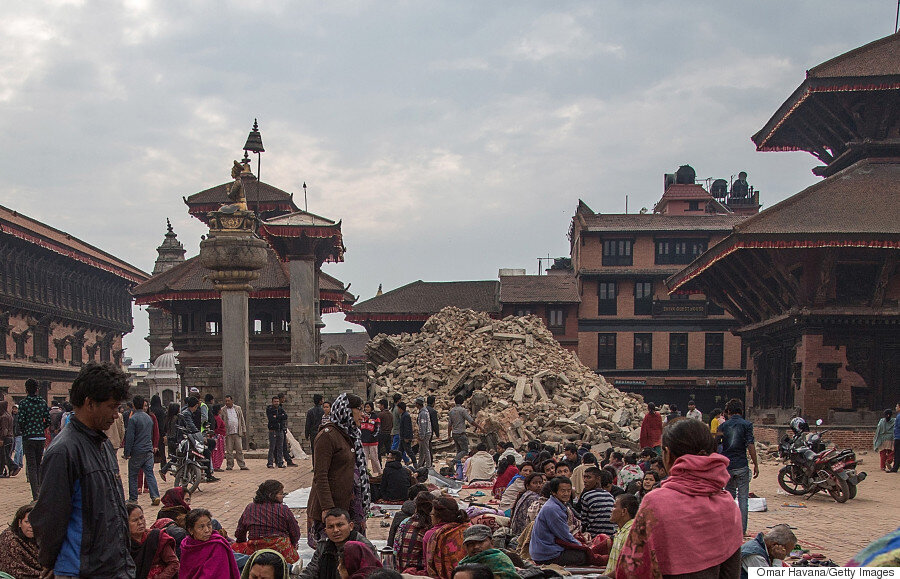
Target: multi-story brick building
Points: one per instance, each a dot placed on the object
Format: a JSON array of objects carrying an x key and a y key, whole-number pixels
[
  {"x": 670, "y": 348},
  {"x": 63, "y": 302},
  {"x": 813, "y": 280}
]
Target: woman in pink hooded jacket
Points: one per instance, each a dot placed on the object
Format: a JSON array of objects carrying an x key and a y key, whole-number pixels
[{"x": 670, "y": 535}]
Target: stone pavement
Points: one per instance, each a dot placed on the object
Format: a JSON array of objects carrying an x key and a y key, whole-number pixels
[{"x": 837, "y": 530}]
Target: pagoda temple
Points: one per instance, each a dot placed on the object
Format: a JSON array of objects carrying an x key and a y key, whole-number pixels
[
  {"x": 813, "y": 280},
  {"x": 185, "y": 308}
]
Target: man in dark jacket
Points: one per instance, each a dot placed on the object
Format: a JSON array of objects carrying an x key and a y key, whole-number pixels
[
  {"x": 406, "y": 434},
  {"x": 338, "y": 530},
  {"x": 435, "y": 425},
  {"x": 395, "y": 481},
  {"x": 277, "y": 419},
  {"x": 34, "y": 418},
  {"x": 80, "y": 520},
  {"x": 139, "y": 451},
  {"x": 313, "y": 421},
  {"x": 186, "y": 424}
]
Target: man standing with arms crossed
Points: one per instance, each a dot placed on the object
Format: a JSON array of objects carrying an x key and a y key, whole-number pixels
[
  {"x": 235, "y": 429},
  {"x": 80, "y": 520}
]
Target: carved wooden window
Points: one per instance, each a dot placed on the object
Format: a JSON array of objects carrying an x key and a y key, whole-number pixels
[
  {"x": 557, "y": 320},
  {"x": 41, "y": 344},
  {"x": 643, "y": 298},
  {"x": 828, "y": 375},
  {"x": 77, "y": 349},
  {"x": 106, "y": 349},
  {"x": 20, "y": 338},
  {"x": 606, "y": 298},
  {"x": 60, "y": 345},
  {"x": 92, "y": 351},
  {"x": 715, "y": 350},
  {"x": 617, "y": 251}
]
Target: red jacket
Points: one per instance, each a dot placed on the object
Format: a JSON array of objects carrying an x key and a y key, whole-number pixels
[{"x": 651, "y": 430}]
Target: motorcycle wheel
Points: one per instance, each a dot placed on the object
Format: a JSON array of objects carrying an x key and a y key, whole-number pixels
[
  {"x": 792, "y": 480},
  {"x": 188, "y": 476},
  {"x": 840, "y": 493},
  {"x": 852, "y": 490}
]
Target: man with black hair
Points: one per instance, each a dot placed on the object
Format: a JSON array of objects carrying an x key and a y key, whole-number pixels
[
  {"x": 435, "y": 426},
  {"x": 338, "y": 530},
  {"x": 80, "y": 521},
  {"x": 206, "y": 423},
  {"x": 187, "y": 425},
  {"x": 595, "y": 504},
  {"x": 285, "y": 447},
  {"x": 624, "y": 509},
  {"x": 313, "y": 421},
  {"x": 139, "y": 451},
  {"x": 34, "y": 418},
  {"x": 570, "y": 451},
  {"x": 396, "y": 480},
  {"x": 277, "y": 418},
  {"x": 551, "y": 539},
  {"x": 736, "y": 436},
  {"x": 405, "y": 430}
]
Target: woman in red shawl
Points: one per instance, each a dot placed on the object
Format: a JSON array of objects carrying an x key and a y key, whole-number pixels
[
  {"x": 667, "y": 536},
  {"x": 205, "y": 554},
  {"x": 153, "y": 550},
  {"x": 358, "y": 561},
  {"x": 218, "y": 454},
  {"x": 651, "y": 429},
  {"x": 507, "y": 470}
]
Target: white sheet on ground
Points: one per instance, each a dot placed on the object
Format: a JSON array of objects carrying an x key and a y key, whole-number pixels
[{"x": 297, "y": 499}]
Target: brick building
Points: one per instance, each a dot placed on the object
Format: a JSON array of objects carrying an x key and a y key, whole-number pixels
[
  {"x": 63, "y": 302},
  {"x": 669, "y": 348},
  {"x": 813, "y": 280},
  {"x": 553, "y": 298}
]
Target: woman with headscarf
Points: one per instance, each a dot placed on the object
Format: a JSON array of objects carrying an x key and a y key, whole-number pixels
[
  {"x": 261, "y": 561},
  {"x": 153, "y": 550},
  {"x": 18, "y": 547},
  {"x": 267, "y": 523},
  {"x": 357, "y": 561},
  {"x": 176, "y": 505},
  {"x": 339, "y": 463},
  {"x": 884, "y": 438}
]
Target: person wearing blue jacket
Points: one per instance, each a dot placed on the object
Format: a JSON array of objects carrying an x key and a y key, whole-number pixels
[
  {"x": 551, "y": 539},
  {"x": 139, "y": 451}
]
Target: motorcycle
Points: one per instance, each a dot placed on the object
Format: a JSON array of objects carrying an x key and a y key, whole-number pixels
[
  {"x": 190, "y": 462},
  {"x": 813, "y": 468}
]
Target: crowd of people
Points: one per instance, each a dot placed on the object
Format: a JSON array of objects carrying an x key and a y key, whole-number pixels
[{"x": 629, "y": 514}]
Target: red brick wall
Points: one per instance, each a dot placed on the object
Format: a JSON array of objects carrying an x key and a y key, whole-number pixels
[{"x": 569, "y": 337}]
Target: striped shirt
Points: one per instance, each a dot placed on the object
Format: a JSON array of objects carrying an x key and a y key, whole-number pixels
[{"x": 594, "y": 509}]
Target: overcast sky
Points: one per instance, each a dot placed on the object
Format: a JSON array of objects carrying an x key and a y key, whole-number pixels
[{"x": 452, "y": 138}]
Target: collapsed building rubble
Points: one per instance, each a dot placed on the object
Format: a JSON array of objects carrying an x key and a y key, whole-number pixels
[{"x": 519, "y": 382}]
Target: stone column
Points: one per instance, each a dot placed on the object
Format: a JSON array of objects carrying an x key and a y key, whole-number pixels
[
  {"x": 302, "y": 271},
  {"x": 236, "y": 347}
]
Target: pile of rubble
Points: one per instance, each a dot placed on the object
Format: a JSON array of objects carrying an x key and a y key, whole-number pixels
[{"x": 519, "y": 382}]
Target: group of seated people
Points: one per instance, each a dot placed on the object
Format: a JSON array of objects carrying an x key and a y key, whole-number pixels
[
  {"x": 184, "y": 541},
  {"x": 628, "y": 516}
]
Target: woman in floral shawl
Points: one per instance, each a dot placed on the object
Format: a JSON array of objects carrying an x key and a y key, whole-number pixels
[{"x": 443, "y": 543}]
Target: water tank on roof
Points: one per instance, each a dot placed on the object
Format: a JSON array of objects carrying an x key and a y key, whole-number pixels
[
  {"x": 719, "y": 189},
  {"x": 685, "y": 175}
]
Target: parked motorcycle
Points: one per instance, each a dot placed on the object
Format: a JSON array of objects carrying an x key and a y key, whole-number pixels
[
  {"x": 814, "y": 468},
  {"x": 190, "y": 462}
]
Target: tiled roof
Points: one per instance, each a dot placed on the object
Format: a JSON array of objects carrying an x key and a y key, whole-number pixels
[
  {"x": 619, "y": 222},
  {"x": 33, "y": 231},
  {"x": 420, "y": 297},
  {"x": 878, "y": 58},
  {"x": 189, "y": 278},
  {"x": 300, "y": 218},
  {"x": 527, "y": 289},
  {"x": 684, "y": 191},
  {"x": 861, "y": 199},
  {"x": 219, "y": 194}
]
